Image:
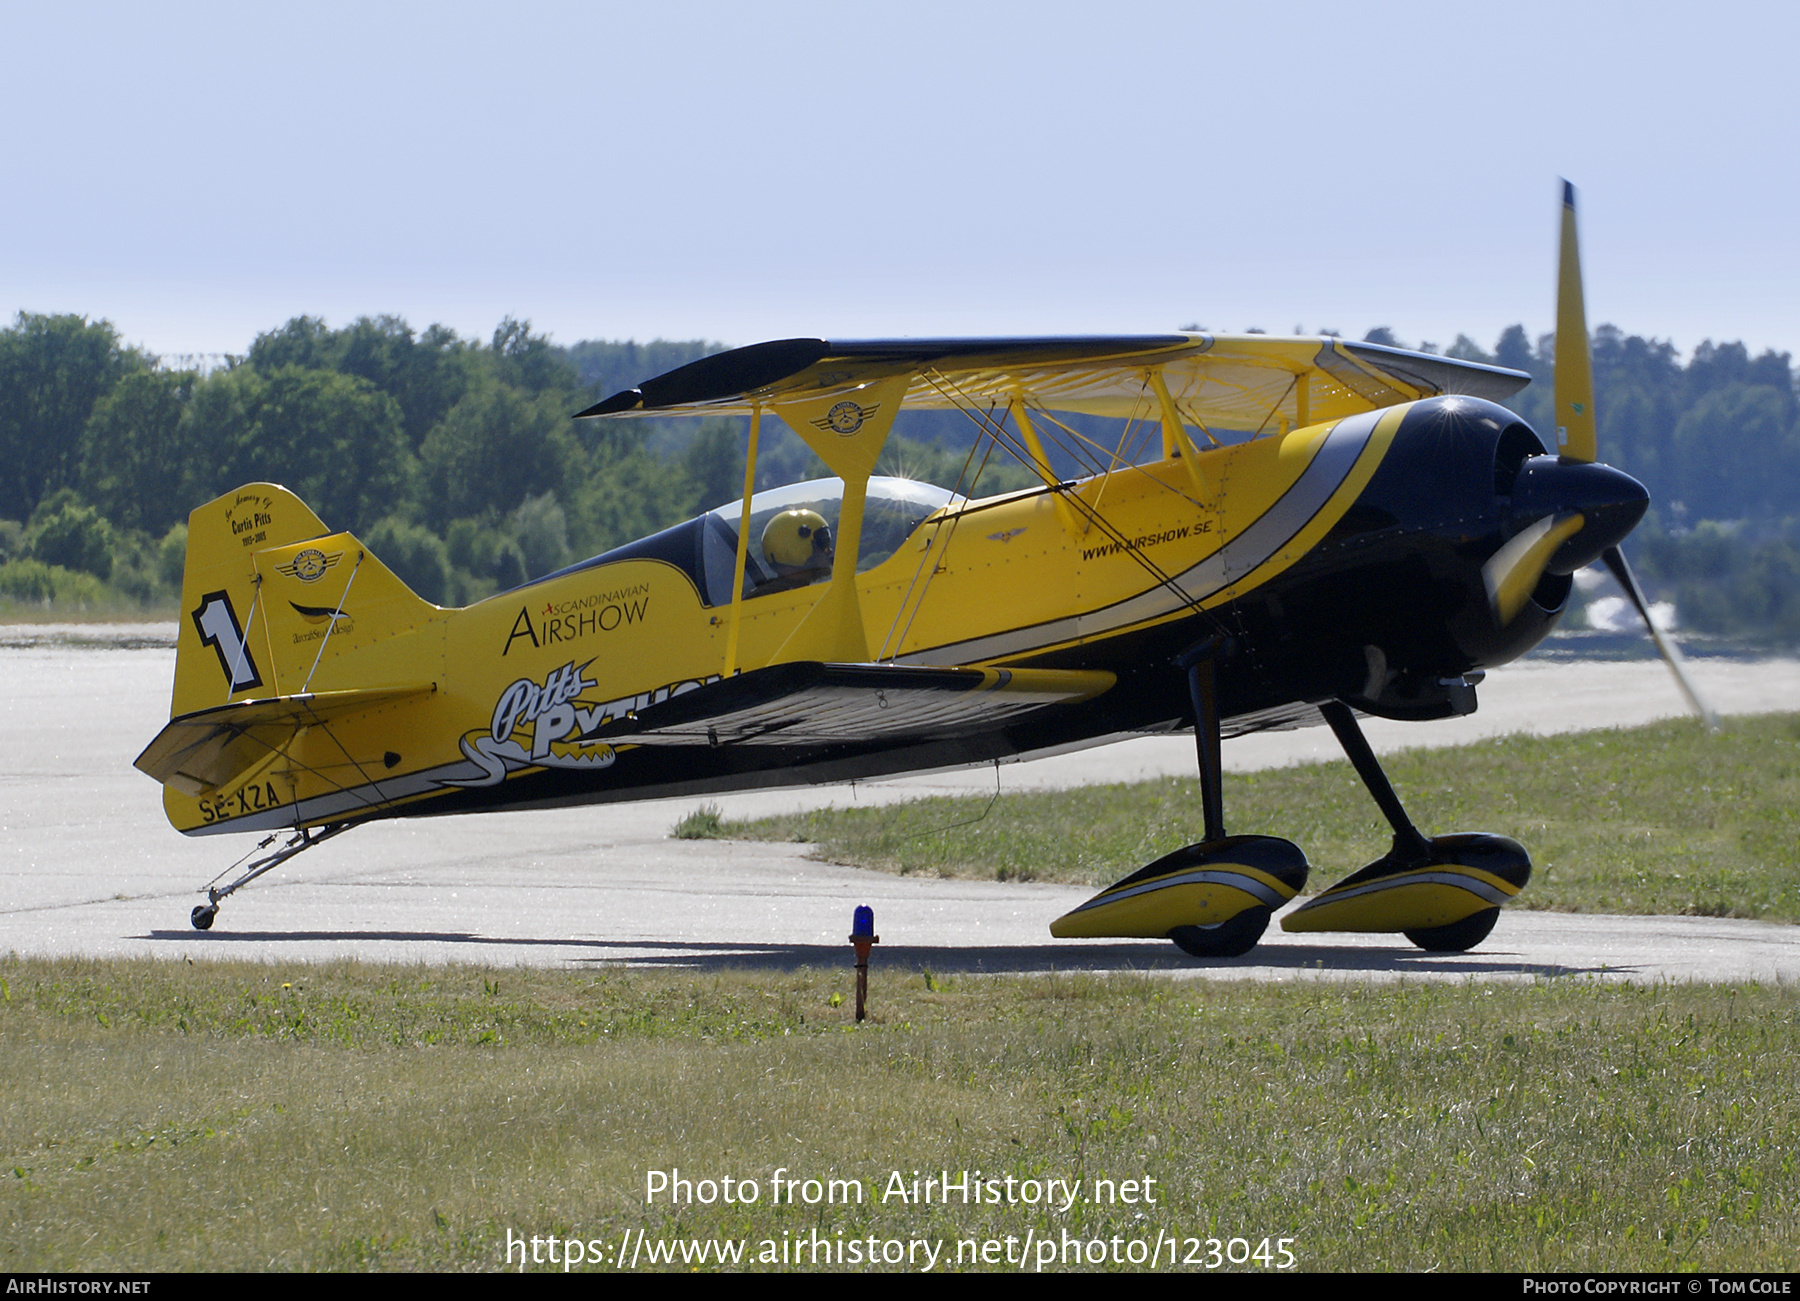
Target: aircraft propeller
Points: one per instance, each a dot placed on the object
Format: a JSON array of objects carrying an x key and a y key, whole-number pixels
[{"x": 1577, "y": 441}]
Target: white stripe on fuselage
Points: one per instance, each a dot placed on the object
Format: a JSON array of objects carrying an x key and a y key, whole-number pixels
[{"x": 1268, "y": 534}]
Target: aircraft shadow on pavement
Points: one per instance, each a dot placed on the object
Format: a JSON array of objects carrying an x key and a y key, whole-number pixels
[{"x": 1299, "y": 959}]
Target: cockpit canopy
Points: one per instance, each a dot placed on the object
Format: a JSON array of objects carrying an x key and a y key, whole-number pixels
[{"x": 706, "y": 548}]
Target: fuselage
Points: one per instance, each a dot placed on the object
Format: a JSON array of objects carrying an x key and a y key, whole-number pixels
[{"x": 1353, "y": 560}]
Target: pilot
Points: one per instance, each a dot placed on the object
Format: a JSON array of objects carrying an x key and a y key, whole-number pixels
[{"x": 796, "y": 545}]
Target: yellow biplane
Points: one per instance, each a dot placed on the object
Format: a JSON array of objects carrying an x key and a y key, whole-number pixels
[{"x": 1283, "y": 531}]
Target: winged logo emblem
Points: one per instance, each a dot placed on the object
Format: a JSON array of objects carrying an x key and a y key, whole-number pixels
[
  {"x": 846, "y": 417},
  {"x": 309, "y": 566}
]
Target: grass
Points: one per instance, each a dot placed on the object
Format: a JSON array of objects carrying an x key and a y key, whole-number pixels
[
  {"x": 704, "y": 823},
  {"x": 232, "y": 1116},
  {"x": 1657, "y": 819}
]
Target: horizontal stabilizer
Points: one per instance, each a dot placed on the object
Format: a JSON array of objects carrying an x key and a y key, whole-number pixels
[
  {"x": 810, "y": 703},
  {"x": 202, "y": 751}
]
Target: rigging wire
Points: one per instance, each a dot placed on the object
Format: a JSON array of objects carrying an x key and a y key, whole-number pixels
[
  {"x": 1293, "y": 386},
  {"x": 928, "y": 560},
  {"x": 1000, "y": 434},
  {"x": 318, "y": 772}
]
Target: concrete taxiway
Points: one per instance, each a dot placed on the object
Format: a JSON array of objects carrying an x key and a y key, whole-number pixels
[{"x": 89, "y": 867}]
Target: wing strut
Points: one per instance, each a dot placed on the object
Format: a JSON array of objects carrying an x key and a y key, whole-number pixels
[
  {"x": 1176, "y": 444},
  {"x": 743, "y": 544}
]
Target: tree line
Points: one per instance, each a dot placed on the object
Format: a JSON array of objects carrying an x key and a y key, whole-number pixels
[
  {"x": 456, "y": 461},
  {"x": 454, "y": 457}
]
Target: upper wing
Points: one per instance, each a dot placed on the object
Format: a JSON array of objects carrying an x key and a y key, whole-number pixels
[
  {"x": 810, "y": 703},
  {"x": 1224, "y": 381},
  {"x": 202, "y": 751}
]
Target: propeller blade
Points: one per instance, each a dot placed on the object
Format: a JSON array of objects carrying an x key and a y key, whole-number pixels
[
  {"x": 1513, "y": 572},
  {"x": 1574, "y": 388},
  {"x": 1576, "y": 440},
  {"x": 1615, "y": 561}
]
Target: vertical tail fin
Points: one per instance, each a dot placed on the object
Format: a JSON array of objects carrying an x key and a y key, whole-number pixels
[
  {"x": 270, "y": 599},
  {"x": 289, "y": 637},
  {"x": 216, "y": 658}
]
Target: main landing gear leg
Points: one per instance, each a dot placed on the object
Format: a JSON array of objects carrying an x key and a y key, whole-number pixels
[
  {"x": 1203, "y": 691},
  {"x": 1214, "y": 899},
  {"x": 1444, "y": 893},
  {"x": 305, "y": 838}
]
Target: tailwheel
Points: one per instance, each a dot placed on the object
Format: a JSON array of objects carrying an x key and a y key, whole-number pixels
[
  {"x": 1457, "y": 937},
  {"x": 305, "y": 838},
  {"x": 1232, "y": 938}
]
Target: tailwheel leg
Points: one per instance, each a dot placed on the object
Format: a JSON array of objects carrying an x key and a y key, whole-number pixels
[
  {"x": 1213, "y": 899},
  {"x": 204, "y": 914},
  {"x": 1443, "y": 893}
]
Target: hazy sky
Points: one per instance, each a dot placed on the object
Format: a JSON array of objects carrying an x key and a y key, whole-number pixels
[{"x": 198, "y": 173}]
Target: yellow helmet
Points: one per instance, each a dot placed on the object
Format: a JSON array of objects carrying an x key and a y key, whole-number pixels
[{"x": 797, "y": 539}]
